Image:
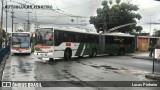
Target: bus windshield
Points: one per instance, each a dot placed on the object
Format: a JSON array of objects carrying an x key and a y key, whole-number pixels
[
  {"x": 20, "y": 41},
  {"x": 44, "y": 38}
]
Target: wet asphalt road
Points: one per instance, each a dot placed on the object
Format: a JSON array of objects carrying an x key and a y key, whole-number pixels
[{"x": 104, "y": 68}]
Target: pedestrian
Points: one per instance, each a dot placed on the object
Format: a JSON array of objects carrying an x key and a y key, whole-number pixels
[{"x": 151, "y": 50}]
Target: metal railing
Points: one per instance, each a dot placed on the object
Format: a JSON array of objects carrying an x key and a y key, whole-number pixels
[{"x": 4, "y": 52}]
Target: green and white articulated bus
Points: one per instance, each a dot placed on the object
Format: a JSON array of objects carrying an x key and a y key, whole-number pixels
[{"x": 70, "y": 42}]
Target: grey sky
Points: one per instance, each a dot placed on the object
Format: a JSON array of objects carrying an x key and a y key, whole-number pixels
[{"x": 84, "y": 8}]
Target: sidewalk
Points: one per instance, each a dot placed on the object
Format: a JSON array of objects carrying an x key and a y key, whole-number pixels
[
  {"x": 145, "y": 56},
  {"x": 2, "y": 65},
  {"x": 155, "y": 76},
  {"x": 142, "y": 55}
]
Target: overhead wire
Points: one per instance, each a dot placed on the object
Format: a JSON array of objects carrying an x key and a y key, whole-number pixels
[{"x": 58, "y": 11}]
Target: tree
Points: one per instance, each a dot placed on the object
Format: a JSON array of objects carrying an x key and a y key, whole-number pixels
[
  {"x": 3, "y": 35},
  {"x": 156, "y": 32},
  {"x": 115, "y": 15},
  {"x": 138, "y": 29}
]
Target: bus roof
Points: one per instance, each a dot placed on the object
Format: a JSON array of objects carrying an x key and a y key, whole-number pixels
[
  {"x": 88, "y": 31},
  {"x": 73, "y": 29},
  {"x": 21, "y": 32},
  {"x": 147, "y": 37},
  {"x": 120, "y": 34}
]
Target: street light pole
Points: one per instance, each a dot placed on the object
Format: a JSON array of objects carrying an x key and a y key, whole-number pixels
[
  {"x": 1, "y": 27},
  {"x": 28, "y": 22},
  {"x": 12, "y": 19},
  {"x": 2, "y": 14},
  {"x": 150, "y": 26},
  {"x": 6, "y": 25},
  {"x": 149, "y": 32}
]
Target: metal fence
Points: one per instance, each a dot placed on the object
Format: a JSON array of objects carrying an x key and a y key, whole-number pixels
[{"x": 3, "y": 52}]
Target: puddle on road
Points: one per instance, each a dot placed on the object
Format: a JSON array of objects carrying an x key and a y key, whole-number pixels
[
  {"x": 23, "y": 67},
  {"x": 105, "y": 67},
  {"x": 138, "y": 73}
]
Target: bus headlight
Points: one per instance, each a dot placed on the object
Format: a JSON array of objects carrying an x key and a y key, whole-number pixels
[{"x": 50, "y": 51}]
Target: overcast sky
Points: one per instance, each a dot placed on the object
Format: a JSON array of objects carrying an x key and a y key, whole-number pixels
[{"x": 85, "y": 8}]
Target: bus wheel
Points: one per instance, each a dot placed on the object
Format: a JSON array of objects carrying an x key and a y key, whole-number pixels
[
  {"x": 67, "y": 54},
  {"x": 121, "y": 52},
  {"x": 51, "y": 60},
  {"x": 94, "y": 53},
  {"x": 80, "y": 56},
  {"x": 12, "y": 54}
]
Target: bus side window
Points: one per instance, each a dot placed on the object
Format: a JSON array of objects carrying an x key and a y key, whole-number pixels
[
  {"x": 86, "y": 38},
  {"x": 73, "y": 37},
  {"x": 69, "y": 36},
  {"x": 80, "y": 37},
  {"x": 58, "y": 37}
]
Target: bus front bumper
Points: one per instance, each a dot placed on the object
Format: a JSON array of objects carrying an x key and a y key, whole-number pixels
[
  {"x": 20, "y": 51},
  {"x": 43, "y": 55}
]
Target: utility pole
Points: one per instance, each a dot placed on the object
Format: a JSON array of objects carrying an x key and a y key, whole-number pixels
[
  {"x": 149, "y": 32},
  {"x": 105, "y": 24},
  {"x": 6, "y": 17},
  {"x": 38, "y": 25},
  {"x": 6, "y": 24},
  {"x": 28, "y": 23},
  {"x": 2, "y": 14},
  {"x": 12, "y": 19},
  {"x": 150, "y": 25},
  {"x": 24, "y": 27},
  {"x": 1, "y": 29},
  {"x": 16, "y": 24},
  {"x": 77, "y": 21},
  {"x": 35, "y": 27}
]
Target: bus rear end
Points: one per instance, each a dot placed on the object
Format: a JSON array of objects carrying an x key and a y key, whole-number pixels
[
  {"x": 21, "y": 43},
  {"x": 44, "y": 43}
]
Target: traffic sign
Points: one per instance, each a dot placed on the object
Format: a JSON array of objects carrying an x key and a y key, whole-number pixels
[{"x": 157, "y": 54}]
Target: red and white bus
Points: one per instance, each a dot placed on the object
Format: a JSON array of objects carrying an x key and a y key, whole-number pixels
[{"x": 21, "y": 42}]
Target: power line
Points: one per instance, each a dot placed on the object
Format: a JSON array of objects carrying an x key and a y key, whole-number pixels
[
  {"x": 56, "y": 11},
  {"x": 53, "y": 10},
  {"x": 78, "y": 4}
]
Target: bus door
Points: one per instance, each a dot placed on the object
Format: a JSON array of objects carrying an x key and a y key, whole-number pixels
[{"x": 101, "y": 44}]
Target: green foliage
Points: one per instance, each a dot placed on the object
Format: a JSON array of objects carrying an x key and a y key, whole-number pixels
[
  {"x": 110, "y": 2},
  {"x": 138, "y": 29},
  {"x": 2, "y": 34},
  {"x": 116, "y": 15},
  {"x": 156, "y": 33}
]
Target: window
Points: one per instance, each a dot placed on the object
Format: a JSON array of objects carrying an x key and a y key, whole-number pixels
[{"x": 110, "y": 39}]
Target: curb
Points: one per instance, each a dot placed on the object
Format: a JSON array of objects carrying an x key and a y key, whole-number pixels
[
  {"x": 144, "y": 58},
  {"x": 155, "y": 76},
  {"x": 2, "y": 65}
]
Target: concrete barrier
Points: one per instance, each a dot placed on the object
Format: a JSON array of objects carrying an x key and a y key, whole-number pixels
[{"x": 4, "y": 52}]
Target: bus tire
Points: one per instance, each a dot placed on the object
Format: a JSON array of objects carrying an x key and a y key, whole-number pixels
[
  {"x": 80, "y": 57},
  {"x": 67, "y": 54},
  {"x": 94, "y": 53},
  {"x": 121, "y": 51},
  {"x": 51, "y": 60},
  {"x": 12, "y": 54}
]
